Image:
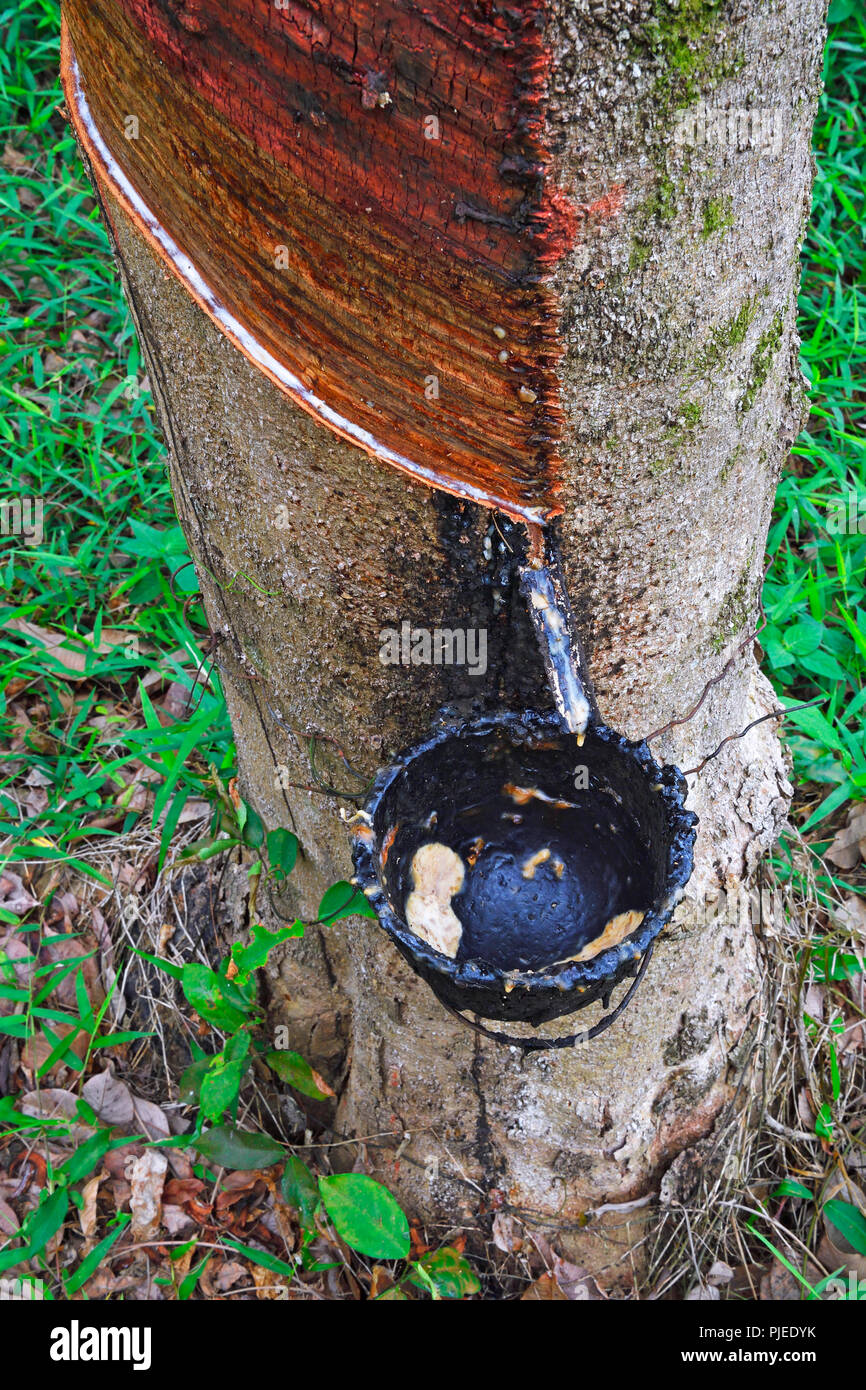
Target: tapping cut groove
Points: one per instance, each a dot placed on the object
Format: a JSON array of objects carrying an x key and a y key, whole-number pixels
[{"x": 361, "y": 196}]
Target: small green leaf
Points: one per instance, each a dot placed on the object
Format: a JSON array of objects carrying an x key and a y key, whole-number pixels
[
  {"x": 282, "y": 850},
  {"x": 828, "y": 963},
  {"x": 295, "y": 1071},
  {"x": 205, "y": 991},
  {"x": 220, "y": 1086},
  {"x": 15, "y": 1026},
  {"x": 366, "y": 1216},
  {"x": 202, "y": 850},
  {"x": 190, "y": 1082},
  {"x": 804, "y": 636},
  {"x": 849, "y": 1221},
  {"x": 343, "y": 900},
  {"x": 753, "y": 1230},
  {"x": 91, "y": 1262},
  {"x": 237, "y": 1047},
  {"x": 86, "y": 1112},
  {"x": 824, "y": 1122},
  {"x": 261, "y": 1257},
  {"x": 451, "y": 1274},
  {"x": 46, "y": 1220},
  {"x": 238, "y": 1148},
  {"x": 789, "y": 1188},
  {"x": 841, "y": 10},
  {"x": 175, "y": 971},
  {"x": 186, "y": 1288},
  {"x": 253, "y": 829},
  {"x": 255, "y": 955},
  {"x": 300, "y": 1190},
  {"x": 835, "y": 1078},
  {"x": 89, "y": 1154},
  {"x": 115, "y": 1039}
]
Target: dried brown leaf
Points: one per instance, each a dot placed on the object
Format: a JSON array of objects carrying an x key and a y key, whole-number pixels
[
  {"x": 146, "y": 1181},
  {"x": 149, "y": 1118},
  {"x": 545, "y": 1290},
  {"x": 852, "y": 915},
  {"x": 269, "y": 1285},
  {"x": 111, "y": 1098},
  {"x": 504, "y": 1236},
  {"x": 229, "y": 1273},
  {"x": 846, "y": 850},
  {"x": 14, "y": 897},
  {"x": 9, "y": 1223},
  {"x": 87, "y": 1210},
  {"x": 577, "y": 1285}
]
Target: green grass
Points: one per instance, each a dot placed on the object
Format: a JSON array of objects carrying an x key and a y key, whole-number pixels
[
  {"x": 78, "y": 431},
  {"x": 815, "y": 594}
]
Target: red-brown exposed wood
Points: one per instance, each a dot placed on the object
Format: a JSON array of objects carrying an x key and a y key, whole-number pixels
[{"x": 403, "y": 281}]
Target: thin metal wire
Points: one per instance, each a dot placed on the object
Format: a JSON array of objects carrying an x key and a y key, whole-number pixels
[
  {"x": 547, "y": 1044},
  {"x": 774, "y": 714},
  {"x": 741, "y": 646}
]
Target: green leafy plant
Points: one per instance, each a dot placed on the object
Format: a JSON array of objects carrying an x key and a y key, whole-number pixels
[
  {"x": 368, "y": 1219},
  {"x": 849, "y": 1221},
  {"x": 361, "y": 1210}
]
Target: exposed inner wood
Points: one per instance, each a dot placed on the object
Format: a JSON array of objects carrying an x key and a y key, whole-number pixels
[{"x": 366, "y": 190}]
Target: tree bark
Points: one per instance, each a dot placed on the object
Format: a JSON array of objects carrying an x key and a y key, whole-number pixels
[{"x": 680, "y": 394}]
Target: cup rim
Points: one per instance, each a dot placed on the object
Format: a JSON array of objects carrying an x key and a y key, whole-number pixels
[{"x": 573, "y": 977}]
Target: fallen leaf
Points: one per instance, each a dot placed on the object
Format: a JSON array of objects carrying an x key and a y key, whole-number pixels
[
  {"x": 380, "y": 1282},
  {"x": 849, "y": 846},
  {"x": 146, "y": 1181},
  {"x": 805, "y": 1109},
  {"x": 178, "y": 1162},
  {"x": 14, "y": 897},
  {"x": 175, "y": 1220},
  {"x": 840, "y": 1188},
  {"x": 120, "y": 1193},
  {"x": 779, "y": 1285},
  {"x": 76, "y": 652},
  {"x": 9, "y": 1223},
  {"x": 14, "y": 160},
  {"x": 180, "y": 1190},
  {"x": 852, "y": 915},
  {"x": 269, "y": 1285},
  {"x": 504, "y": 1236},
  {"x": 745, "y": 1282},
  {"x": 64, "y": 908},
  {"x": 577, "y": 1285},
  {"x": 87, "y": 1210},
  {"x": 52, "y": 1102},
  {"x": 228, "y": 1274},
  {"x": 105, "y": 1282},
  {"x": 813, "y": 1002},
  {"x": 110, "y": 1098},
  {"x": 545, "y": 1290},
  {"x": 117, "y": 1160},
  {"x": 149, "y": 1118}
]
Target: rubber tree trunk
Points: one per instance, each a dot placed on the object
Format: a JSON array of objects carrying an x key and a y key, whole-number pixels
[{"x": 688, "y": 131}]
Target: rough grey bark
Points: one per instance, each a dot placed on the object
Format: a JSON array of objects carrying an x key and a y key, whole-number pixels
[{"x": 682, "y": 395}]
